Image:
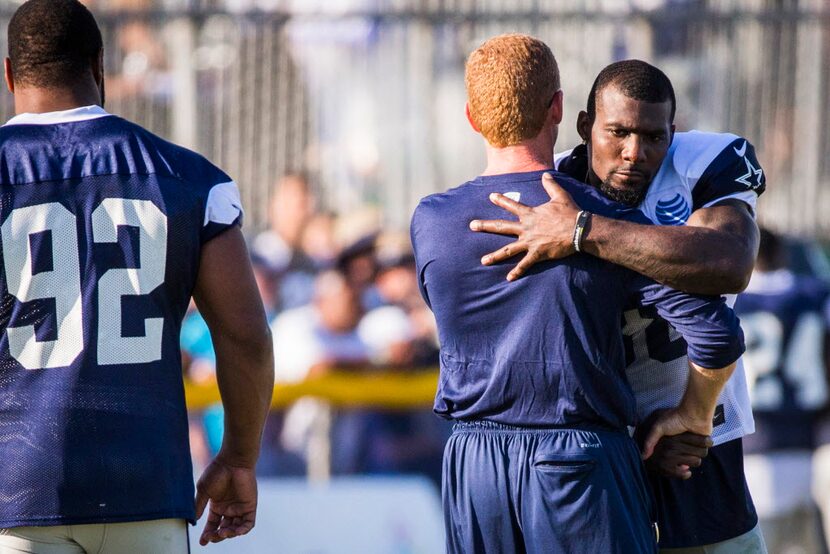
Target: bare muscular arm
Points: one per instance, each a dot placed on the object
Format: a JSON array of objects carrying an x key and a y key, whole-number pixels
[
  {"x": 713, "y": 254},
  {"x": 228, "y": 298}
]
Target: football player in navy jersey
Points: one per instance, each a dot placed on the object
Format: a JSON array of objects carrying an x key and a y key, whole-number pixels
[
  {"x": 821, "y": 460},
  {"x": 699, "y": 191},
  {"x": 785, "y": 317},
  {"x": 532, "y": 372},
  {"x": 106, "y": 231}
]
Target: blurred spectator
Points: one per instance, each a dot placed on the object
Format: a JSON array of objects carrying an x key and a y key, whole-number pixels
[
  {"x": 396, "y": 330},
  {"x": 279, "y": 246},
  {"x": 291, "y": 206},
  {"x": 786, "y": 318},
  {"x": 359, "y": 265},
  {"x": 197, "y": 347},
  {"x": 398, "y": 442},
  {"x": 388, "y": 333},
  {"x": 312, "y": 340},
  {"x": 395, "y": 441},
  {"x": 396, "y": 280},
  {"x": 318, "y": 242},
  {"x": 142, "y": 68}
]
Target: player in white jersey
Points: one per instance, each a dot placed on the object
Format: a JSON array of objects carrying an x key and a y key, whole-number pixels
[
  {"x": 700, "y": 170},
  {"x": 699, "y": 189}
]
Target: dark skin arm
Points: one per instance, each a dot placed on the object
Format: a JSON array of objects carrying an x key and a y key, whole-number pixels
[
  {"x": 245, "y": 373},
  {"x": 713, "y": 254},
  {"x": 674, "y": 456}
]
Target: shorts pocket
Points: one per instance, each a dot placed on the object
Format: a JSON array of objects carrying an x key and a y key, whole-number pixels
[{"x": 565, "y": 464}]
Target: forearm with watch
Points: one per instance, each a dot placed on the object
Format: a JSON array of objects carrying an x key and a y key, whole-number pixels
[
  {"x": 581, "y": 228},
  {"x": 712, "y": 254}
]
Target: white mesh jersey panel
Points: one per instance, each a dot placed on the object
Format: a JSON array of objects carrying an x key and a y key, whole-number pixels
[{"x": 659, "y": 385}]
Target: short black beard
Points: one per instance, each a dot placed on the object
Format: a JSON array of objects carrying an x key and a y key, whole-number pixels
[{"x": 631, "y": 198}]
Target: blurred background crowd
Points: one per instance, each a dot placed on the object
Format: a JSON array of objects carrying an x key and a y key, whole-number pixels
[
  {"x": 336, "y": 116},
  {"x": 341, "y": 295}
]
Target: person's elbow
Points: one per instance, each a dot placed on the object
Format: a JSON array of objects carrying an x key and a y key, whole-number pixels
[
  {"x": 729, "y": 276},
  {"x": 721, "y": 351},
  {"x": 265, "y": 345},
  {"x": 262, "y": 346},
  {"x": 740, "y": 272},
  {"x": 739, "y": 263},
  {"x": 732, "y": 283},
  {"x": 252, "y": 343}
]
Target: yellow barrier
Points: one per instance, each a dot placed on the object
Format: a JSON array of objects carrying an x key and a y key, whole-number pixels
[{"x": 392, "y": 390}]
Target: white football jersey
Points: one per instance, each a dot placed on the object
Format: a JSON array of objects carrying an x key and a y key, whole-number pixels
[{"x": 700, "y": 170}]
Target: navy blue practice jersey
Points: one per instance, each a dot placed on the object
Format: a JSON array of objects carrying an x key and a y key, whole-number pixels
[
  {"x": 785, "y": 319},
  {"x": 102, "y": 225},
  {"x": 546, "y": 350}
]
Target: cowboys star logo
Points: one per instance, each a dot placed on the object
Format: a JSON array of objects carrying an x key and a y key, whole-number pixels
[{"x": 746, "y": 179}]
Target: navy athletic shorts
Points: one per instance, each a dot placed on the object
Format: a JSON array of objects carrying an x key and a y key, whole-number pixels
[
  {"x": 712, "y": 506},
  {"x": 523, "y": 490}
]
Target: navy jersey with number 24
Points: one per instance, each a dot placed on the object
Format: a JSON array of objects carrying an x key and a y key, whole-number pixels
[{"x": 102, "y": 225}]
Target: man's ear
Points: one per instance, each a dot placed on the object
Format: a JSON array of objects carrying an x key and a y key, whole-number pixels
[
  {"x": 470, "y": 118},
  {"x": 7, "y": 66},
  {"x": 556, "y": 110},
  {"x": 583, "y": 126},
  {"x": 98, "y": 67}
]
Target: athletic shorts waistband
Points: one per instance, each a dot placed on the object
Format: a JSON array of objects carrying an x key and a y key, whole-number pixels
[{"x": 480, "y": 425}]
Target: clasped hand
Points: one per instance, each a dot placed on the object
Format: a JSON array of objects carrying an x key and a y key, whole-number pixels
[{"x": 671, "y": 445}]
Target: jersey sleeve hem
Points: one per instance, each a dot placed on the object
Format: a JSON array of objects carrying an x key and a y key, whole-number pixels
[
  {"x": 749, "y": 198},
  {"x": 223, "y": 210},
  {"x": 716, "y": 355},
  {"x": 213, "y": 230},
  {"x": 224, "y": 205}
]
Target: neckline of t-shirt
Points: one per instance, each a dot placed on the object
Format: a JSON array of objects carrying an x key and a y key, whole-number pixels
[
  {"x": 72, "y": 115},
  {"x": 521, "y": 177}
]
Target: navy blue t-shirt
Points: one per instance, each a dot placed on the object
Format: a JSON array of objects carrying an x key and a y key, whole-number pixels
[
  {"x": 545, "y": 350},
  {"x": 102, "y": 229}
]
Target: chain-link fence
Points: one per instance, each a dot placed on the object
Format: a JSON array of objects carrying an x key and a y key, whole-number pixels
[{"x": 367, "y": 95}]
